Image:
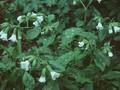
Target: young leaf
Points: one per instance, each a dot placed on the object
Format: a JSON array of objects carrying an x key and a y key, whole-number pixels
[
  {"x": 33, "y": 33},
  {"x": 62, "y": 61},
  {"x": 112, "y": 75},
  {"x": 28, "y": 81},
  {"x": 51, "y": 85},
  {"x": 101, "y": 60},
  {"x": 69, "y": 34}
]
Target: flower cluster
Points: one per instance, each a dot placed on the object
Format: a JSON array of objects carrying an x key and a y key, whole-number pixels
[
  {"x": 107, "y": 49},
  {"x": 4, "y": 36},
  {"x": 54, "y": 75},
  {"x": 37, "y": 19},
  {"x": 81, "y": 44},
  {"x": 84, "y": 44},
  {"x": 114, "y": 28}
]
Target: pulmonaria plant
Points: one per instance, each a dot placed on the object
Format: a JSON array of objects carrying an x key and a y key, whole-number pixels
[{"x": 59, "y": 45}]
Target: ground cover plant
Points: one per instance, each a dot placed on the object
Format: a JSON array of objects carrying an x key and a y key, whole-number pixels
[{"x": 59, "y": 44}]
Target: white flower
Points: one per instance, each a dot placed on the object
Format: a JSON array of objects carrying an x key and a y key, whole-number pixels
[
  {"x": 42, "y": 33},
  {"x": 110, "y": 54},
  {"x": 74, "y": 2},
  {"x": 42, "y": 79},
  {"x": 3, "y": 36},
  {"x": 99, "y": 1},
  {"x": 36, "y": 23},
  {"x": 39, "y": 19},
  {"x": 81, "y": 44},
  {"x": 13, "y": 38},
  {"x": 25, "y": 65},
  {"x": 20, "y": 19},
  {"x": 32, "y": 14},
  {"x": 116, "y": 29},
  {"x": 54, "y": 75},
  {"x": 110, "y": 31},
  {"x": 99, "y": 26},
  {"x": 1, "y": 33}
]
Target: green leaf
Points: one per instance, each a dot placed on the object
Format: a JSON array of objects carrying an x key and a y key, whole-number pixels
[
  {"x": 2, "y": 66},
  {"x": 117, "y": 38},
  {"x": 62, "y": 61},
  {"x": 6, "y": 64},
  {"x": 51, "y": 17},
  {"x": 89, "y": 86},
  {"x": 55, "y": 25},
  {"x": 51, "y": 85},
  {"x": 70, "y": 85},
  {"x": 28, "y": 81},
  {"x": 88, "y": 35},
  {"x": 112, "y": 75},
  {"x": 33, "y": 33},
  {"x": 69, "y": 34},
  {"x": 116, "y": 83},
  {"x": 102, "y": 35},
  {"x": 101, "y": 60},
  {"x": 50, "y": 2},
  {"x": 47, "y": 41},
  {"x": 79, "y": 76},
  {"x": 79, "y": 23}
]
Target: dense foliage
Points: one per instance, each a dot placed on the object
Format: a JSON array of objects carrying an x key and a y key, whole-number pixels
[{"x": 59, "y": 45}]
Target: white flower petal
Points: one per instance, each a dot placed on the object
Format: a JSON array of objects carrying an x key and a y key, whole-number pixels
[
  {"x": 20, "y": 19},
  {"x": 110, "y": 31},
  {"x": 42, "y": 33},
  {"x": 74, "y": 2},
  {"x": 110, "y": 54},
  {"x": 39, "y": 19},
  {"x": 42, "y": 79},
  {"x": 3, "y": 36},
  {"x": 99, "y": 1},
  {"x": 116, "y": 29},
  {"x": 81, "y": 44},
  {"x": 99, "y": 26},
  {"x": 1, "y": 33},
  {"x": 54, "y": 75},
  {"x": 25, "y": 65},
  {"x": 13, "y": 38},
  {"x": 33, "y": 14},
  {"x": 36, "y": 23}
]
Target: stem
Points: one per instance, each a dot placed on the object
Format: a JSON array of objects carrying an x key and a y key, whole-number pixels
[
  {"x": 85, "y": 8},
  {"x": 19, "y": 42},
  {"x": 83, "y": 5},
  {"x": 27, "y": 23}
]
